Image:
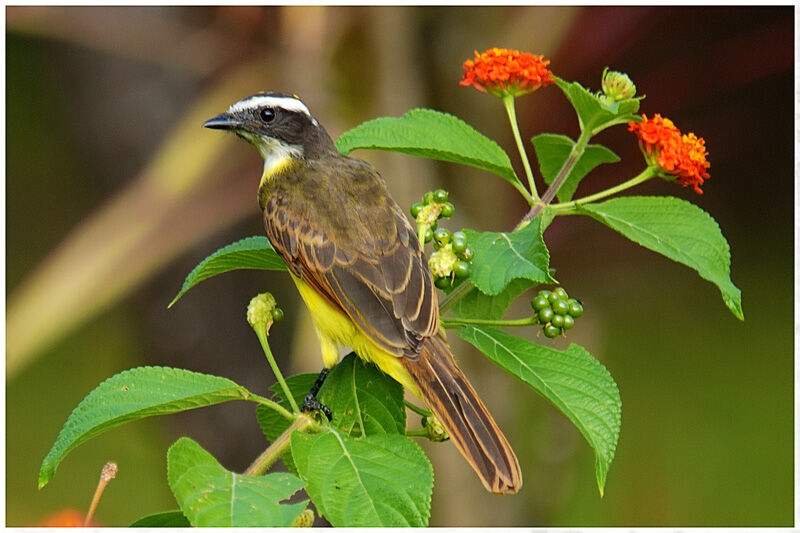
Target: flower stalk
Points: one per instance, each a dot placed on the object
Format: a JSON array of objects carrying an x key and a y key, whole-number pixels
[
  {"x": 261, "y": 314},
  {"x": 645, "y": 175},
  {"x": 508, "y": 103},
  {"x": 261, "y": 333}
]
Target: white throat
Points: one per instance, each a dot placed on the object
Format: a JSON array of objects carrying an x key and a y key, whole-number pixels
[{"x": 278, "y": 155}]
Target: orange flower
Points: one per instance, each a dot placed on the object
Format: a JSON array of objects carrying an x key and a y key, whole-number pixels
[
  {"x": 65, "y": 518},
  {"x": 681, "y": 157},
  {"x": 502, "y": 72}
]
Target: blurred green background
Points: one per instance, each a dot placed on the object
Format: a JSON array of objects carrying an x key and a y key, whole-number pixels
[{"x": 114, "y": 192}]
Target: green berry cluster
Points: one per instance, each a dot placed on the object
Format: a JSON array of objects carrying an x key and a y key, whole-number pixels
[
  {"x": 451, "y": 259},
  {"x": 556, "y": 311},
  {"x": 434, "y": 205},
  {"x": 452, "y": 255}
]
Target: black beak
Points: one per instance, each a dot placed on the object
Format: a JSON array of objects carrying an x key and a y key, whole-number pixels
[{"x": 222, "y": 122}]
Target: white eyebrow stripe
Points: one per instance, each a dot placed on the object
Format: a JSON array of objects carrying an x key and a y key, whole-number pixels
[{"x": 287, "y": 103}]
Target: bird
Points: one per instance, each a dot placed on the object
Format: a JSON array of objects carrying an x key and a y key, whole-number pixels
[{"x": 358, "y": 265}]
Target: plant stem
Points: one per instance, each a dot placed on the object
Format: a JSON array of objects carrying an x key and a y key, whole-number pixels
[
  {"x": 573, "y": 157},
  {"x": 457, "y": 322},
  {"x": 645, "y": 175},
  {"x": 261, "y": 333},
  {"x": 417, "y": 409},
  {"x": 508, "y": 102},
  {"x": 268, "y": 456},
  {"x": 561, "y": 177}
]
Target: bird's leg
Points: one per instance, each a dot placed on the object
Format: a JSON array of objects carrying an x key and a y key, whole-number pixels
[{"x": 310, "y": 403}]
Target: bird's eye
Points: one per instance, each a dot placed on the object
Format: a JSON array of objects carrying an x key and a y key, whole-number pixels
[{"x": 267, "y": 114}]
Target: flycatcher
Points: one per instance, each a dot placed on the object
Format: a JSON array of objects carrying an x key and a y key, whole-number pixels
[{"x": 360, "y": 269}]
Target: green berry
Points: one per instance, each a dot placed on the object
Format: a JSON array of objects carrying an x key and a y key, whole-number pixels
[
  {"x": 568, "y": 322},
  {"x": 546, "y": 315},
  {"x": 551, "y": 331},
  {"x": 442, "y": 283},
  {"x": 539, "y": 303},
  {"x": 561, "y": 307},
  {"x": 447, "y": 210},
  {"x": 277, "y": 314},
  {"x": 440, "y": 196},
  {"x": 428, "y": 235},
  {"x": 459, "y": 244},
  {"x": 428, "y": 198},
  {"x": 416, "y": 208},
  {"x": 468, "y": 253},
  {"x": 558, "y": 320},
  {"x": 461, "y": 269},
  {"x": 459, "y": 235},
  {"x": 441, "y": 237},
  {"x": 575, "y": 308},
  {"x": 561, "y": 293},
  {"x": 544, "y": 293},
  {"x": 553, "y": 298}
]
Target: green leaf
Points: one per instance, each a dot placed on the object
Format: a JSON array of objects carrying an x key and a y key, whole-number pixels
[
  {"x": 503, "y": 257},
  {"x": 134, "y": 394},
  {"x": 363, "y": 400},
  {"x": 553, "y": 150},
  {"x": 211, "y": 496},
  {"x": 678, "y": 230},
  {"x": 572, "y": 380},
  {"x": 165, "y": 519},
  {"x": 375, "y": 481},
  {"x": 595, "y": 115},
  {"x": 253, "y": 252},
  {"x": 433, "y": 134},
  {"x": 475, "y": 304}
]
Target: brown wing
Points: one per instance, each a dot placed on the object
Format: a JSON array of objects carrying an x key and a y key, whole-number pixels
[{"x": 365, "y": 261}]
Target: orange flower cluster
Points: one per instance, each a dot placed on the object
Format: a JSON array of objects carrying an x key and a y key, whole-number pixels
[
  {"x": 502, "y": 72},
  {"x": 679, "y": 155}
]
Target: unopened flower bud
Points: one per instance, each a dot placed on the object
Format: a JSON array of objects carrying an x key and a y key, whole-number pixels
[
  {"x": 260, "y": 311},
  {"x": 617, "y": 85}
]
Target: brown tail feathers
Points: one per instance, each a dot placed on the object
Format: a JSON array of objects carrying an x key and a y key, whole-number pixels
[{"x": 446, "y": 391}]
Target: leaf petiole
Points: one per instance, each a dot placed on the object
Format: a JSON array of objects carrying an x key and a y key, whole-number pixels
[
  {"x": 453, "y": 323},
  {"x": 272, "y": 405}
]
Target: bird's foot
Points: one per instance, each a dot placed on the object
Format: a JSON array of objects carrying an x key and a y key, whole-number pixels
[{"x": 311, "y": 403}]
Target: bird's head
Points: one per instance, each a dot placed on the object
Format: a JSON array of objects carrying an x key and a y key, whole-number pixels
[{"x": 279, "y": 125}]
